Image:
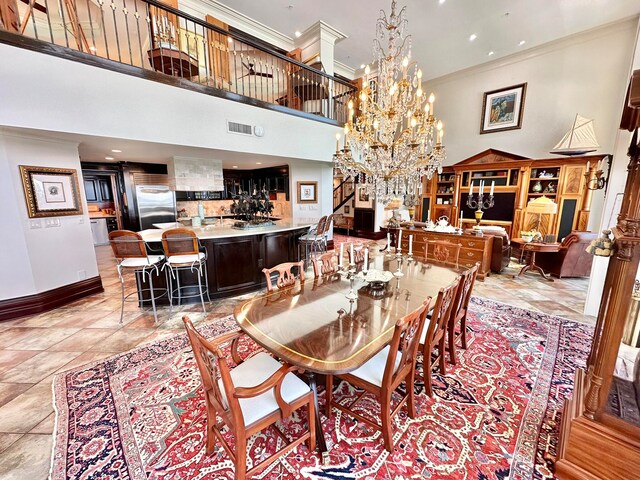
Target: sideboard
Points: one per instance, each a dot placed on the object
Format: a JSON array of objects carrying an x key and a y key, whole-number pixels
[{"x": 473, "y": 248}]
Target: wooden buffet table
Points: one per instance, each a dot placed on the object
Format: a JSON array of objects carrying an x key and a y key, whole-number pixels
[
  {"x": 315, "y": 327},
  {"x": 473, "y": 248}
]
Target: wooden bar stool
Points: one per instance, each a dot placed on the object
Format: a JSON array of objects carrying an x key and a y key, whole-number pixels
[
  {"x": 184, "y": 252},
  {"x": 131, "y": 254}
]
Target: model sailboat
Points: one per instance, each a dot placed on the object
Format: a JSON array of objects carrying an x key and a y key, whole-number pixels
[{"x": 579, "y": 140}]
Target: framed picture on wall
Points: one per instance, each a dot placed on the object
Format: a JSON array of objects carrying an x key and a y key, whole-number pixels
[
  {"x": 503, "y": 109},
  {"x": 51, "y": 192},
  {"x": 307, "y": 192},
  {"x": 363, "y": 200},
  {"x": 347, "y": 210}
]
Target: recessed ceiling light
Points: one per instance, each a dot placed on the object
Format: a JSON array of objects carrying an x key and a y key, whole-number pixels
[
  {"x": 297, "y": 34},
  {"x": 472, "y": 37},
  {"x": 108, "y": 158},
  {"x": 258, "y": 163},
  {"x": 235, "y": 166},
  {"x": 522, "y": 42},
  {"x": 441, "y": 1},
  {"x": 116, "y": 151},
  {"x": 491, "y": 53},
  {"x": 362, "y": 65}
]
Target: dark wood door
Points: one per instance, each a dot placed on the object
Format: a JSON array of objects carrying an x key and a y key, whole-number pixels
[
  {"x": 364, "y": 219},
  {"x": 91, "y": 190}
]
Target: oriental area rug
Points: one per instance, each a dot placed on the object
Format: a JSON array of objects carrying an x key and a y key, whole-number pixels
[{"x": 495, "y": 415}]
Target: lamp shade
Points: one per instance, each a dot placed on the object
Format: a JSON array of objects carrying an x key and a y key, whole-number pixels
[{"x": 542, "y": 205}]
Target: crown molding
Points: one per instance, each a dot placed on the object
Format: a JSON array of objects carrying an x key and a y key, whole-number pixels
[
  {"x": 344, "y": 70},
  {"x": 228, "y": 15}
]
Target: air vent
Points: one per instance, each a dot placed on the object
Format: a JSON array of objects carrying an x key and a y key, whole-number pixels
[{"x": 239, "y": 128}]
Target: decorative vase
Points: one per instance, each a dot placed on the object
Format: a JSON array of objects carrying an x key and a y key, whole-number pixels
[{"x": 537, "y": 187}]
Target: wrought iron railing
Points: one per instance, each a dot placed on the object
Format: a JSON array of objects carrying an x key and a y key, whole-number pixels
[{"x": 152, "y": 36}]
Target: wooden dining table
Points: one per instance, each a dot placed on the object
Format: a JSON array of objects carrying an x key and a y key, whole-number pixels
[{"x": 335, "y": 323}]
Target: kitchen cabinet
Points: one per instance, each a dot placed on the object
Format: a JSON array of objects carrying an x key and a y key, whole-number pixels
[
  {"x": 97, "y": 189},
  {"x": 273, "y": 180}
]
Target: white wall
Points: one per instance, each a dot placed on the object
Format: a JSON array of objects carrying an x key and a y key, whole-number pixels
[
  {"x": 584, "y": 73},
  {"x": 37, "y": 260},
  {"x": 64, "y": 96},
  {"x": 315, "y": 172}
]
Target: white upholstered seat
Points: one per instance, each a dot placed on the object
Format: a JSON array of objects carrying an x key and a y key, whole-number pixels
[
  {"x": 181, "y": 259},
  {"x": 373, "y": 370},
  {"x": 139, "y": 262},
  {"x": 254, "y": 371}
]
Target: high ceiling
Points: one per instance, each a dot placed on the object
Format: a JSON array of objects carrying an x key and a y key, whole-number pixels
[{"x": 441, "y": 29}]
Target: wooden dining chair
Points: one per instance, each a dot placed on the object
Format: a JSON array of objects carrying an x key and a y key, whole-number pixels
[
  {"x": 325, "y": 264},
  {"x": 255, "y": 394},
  {"x": 442, "y": 251},
  {"x": 460, "y": 310},
  {"x": 382, "y": 374},
  {"x": 435, "y": 333},
  {"x": 286, "y": 277},
  {"x": 358, "y": 254}
]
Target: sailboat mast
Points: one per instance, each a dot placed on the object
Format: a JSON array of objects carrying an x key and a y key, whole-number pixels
[{"x": 572, "y": 130}]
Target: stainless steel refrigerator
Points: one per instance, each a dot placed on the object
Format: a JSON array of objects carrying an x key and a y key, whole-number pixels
[{"x": 156, "y": 204}]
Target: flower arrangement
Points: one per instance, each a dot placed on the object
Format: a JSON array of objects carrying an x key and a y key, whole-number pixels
[{"x": 602, "y": 246}]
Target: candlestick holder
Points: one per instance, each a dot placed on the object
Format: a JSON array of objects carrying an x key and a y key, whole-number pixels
[
  {"x": 352, "y": 295},
  {"x": 398, "y": 273},
  {"x": 480, "y": 203}
]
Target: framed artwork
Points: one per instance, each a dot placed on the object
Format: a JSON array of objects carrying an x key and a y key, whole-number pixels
[
  {"x": 347, "y": 210},
  {"x": 363, "y": 200},
  {"x": 50, "y": 191},
  {"x": 503, "y": 109},
  {"x": 307, "y": 192},
  {"x": 347, "y": 189}
]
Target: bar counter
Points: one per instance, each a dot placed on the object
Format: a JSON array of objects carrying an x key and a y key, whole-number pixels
[{"x": 236, "y": 257}]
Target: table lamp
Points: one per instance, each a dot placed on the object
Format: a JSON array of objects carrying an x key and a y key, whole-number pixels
[{"x": 542, "y": 206}]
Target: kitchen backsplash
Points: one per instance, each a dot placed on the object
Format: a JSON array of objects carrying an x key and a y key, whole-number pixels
[{"x": 281, "y": 207}]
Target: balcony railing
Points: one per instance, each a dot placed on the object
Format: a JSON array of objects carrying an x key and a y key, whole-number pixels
[{"x": 154, "y": 37}]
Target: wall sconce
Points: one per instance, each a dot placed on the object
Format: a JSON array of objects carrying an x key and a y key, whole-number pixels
[{"x": 597, "y": 180}]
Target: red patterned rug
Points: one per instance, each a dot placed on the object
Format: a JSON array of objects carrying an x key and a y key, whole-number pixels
[{"x": 140, "y": 415}]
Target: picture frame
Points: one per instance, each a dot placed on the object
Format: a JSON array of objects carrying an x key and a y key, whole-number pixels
[
  {"x": 307, "y": 192},
  {"x": 347, "y": 210},
  {"x": 363, "y": 200},
  {"x": 347, "y": 189},
  {"x": 51, "y": 192},
  {"x": 503, "y": 109}
]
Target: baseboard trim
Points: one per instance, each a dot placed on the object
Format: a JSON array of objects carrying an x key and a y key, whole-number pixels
[{"x": 45, "y": 301}]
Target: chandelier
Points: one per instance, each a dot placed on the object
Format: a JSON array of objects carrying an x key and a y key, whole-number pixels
[{"x": 394, "y": 138}]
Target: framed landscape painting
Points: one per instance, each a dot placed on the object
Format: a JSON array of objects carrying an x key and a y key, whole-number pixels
[
  {"x": 503, "y": 109},
  {"x": 51, "y": 192}
]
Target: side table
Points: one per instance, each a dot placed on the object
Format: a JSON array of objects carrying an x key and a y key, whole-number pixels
[{"x": 533, "y": 248}]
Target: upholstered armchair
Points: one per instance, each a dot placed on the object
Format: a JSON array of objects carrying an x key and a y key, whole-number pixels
[{"x": 572, "y": 260}]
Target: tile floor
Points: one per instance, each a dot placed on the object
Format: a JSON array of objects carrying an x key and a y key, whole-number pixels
[{"x": 33, "y": 349}]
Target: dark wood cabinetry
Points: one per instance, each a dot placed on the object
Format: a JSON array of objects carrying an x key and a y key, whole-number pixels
[
  {"x": 273, "y": 180},
  {"x": 97, "y": 188}
]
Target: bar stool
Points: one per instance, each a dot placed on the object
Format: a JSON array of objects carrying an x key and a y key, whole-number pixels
[
  {"x": 314, "y": 241},
  {"x": 183, "y": 251},
  {"x": 131, "y": 254}
]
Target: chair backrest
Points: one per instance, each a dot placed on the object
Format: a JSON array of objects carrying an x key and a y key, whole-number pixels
[
  {"x": 327, "y": 225},
  {"x": 179, "y": 241},
  {"x": 212, "y": 364},
  {"x": 405, "y": 342},
  {"x": 321, "y": 227},
  {"x": 325, "y": 264},
  {"x": 441, "y": 313},
  {"x": 463, "y": 294},
  {"x": 358, "y": 254},
  {"x": 286, "y": 277},
  {"x": 127, "y": 244},
  {"x": 443, "y": 252}
]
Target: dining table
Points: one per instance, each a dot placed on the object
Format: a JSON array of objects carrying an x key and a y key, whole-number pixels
[{"x": 335, "y": 323}]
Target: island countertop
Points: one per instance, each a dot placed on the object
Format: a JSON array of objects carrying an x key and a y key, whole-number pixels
[{"x": 225, "y": 230}]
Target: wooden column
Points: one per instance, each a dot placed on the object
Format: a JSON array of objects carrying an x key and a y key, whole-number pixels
[{"x": 9, "y": 16}]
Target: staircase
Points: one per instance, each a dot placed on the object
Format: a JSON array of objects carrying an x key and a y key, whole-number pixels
[{"x": 338, "y": 198}]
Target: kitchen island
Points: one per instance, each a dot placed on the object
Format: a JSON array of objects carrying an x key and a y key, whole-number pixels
[{"x": 236, "y": 257}]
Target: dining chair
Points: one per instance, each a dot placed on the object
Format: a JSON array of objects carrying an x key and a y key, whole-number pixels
[
  {"x": 133, "y": 255},
  {"x": 435, "y": 333},
  {"x": 358, "y": 253},
  {"x": 325, "y": 264},
  {"x": 460, "y": 310},
  {"x": 443, "y": 252},
  {"x": 183, "y": 252},
  {"x": 286, "y": 277},
  {"x": 257, "y": 393},
  {"x": 384, "y": 372}
]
